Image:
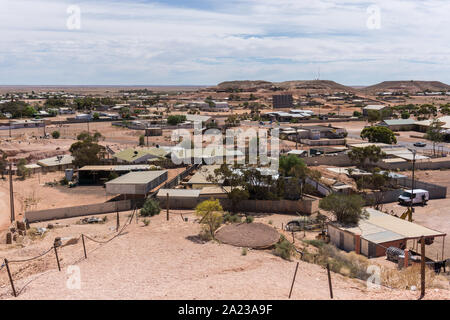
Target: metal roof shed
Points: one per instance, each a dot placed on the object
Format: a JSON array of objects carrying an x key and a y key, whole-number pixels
[{"x": 136, "y": 183}]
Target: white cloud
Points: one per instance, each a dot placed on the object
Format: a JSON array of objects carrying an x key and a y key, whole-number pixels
[{"x": 149, "y": 43}]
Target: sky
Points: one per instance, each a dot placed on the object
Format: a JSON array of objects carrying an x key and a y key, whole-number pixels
[{"x": 204, "y": 42}]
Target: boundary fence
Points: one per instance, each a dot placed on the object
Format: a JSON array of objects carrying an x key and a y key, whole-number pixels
[{"x": 7, "y": 263}]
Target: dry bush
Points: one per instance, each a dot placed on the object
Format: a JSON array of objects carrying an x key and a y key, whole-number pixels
[
  {"x": 406, "y": 278},
  {"x": 347, "y": 264}
]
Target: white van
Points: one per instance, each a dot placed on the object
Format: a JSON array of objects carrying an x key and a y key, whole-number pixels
[{"x": 419, "y": 196}]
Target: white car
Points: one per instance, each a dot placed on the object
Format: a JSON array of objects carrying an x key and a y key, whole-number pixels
[{"x": 418, "y": 196}]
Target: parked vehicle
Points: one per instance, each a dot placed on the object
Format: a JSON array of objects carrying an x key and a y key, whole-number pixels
[
  {"x": 417, "y": 196},
  {"x": 420, "y": 144}
]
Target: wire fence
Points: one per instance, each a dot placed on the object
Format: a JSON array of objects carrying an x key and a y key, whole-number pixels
[{"x": 55, "y": 247}]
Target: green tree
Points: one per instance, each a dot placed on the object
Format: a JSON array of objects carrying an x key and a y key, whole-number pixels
[
  {"x": 86, "y": 152},
  {"x": 364, "y": 157},
  {"x": 379, "y": 134},
  {"x": 85, "y": 136},
  {"x": 210, "y": 213},
  {"x": 232, "y": 121},
  {"x": 292, "y": 165},
  {"x": 405, "y": 115},
  {"x": 434, "y": 133},
  {"x": 3, "y": 162},
  {"x": 373, "y": 116},
  {"x": 22, "y": 171},
  {"x": 175, "y": 119},
  {"x": 96, "y": 116},
  {"x": 150, "y": 208},
  {"x": 347, "y": 209},
  {"x": 56, "y": 134},
  {"x": 141, "y": 140}
]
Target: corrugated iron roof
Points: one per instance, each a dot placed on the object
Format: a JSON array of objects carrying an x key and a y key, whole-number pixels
[
  {"x": 141, "y": 177},
  {"x": 380, "y": 227},
  {"x": 179, "y": 193}
]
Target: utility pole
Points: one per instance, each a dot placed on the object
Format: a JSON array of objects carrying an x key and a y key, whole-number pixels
[
  {"x": 10, "y": 128},
  {"x": 412, "y": 182},
  {"x": 11, "y": 194},
  {"x": 422, "y": 268},
  {"x": 167, "y": 206}
]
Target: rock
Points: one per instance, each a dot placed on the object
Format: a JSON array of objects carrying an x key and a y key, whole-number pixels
[
  {"x": 14, "y": 237},
  {"x": 413, "y": 288},
  {"x": 12, "y": 229},
  {"x": 63, "y": 242},
  {"x": 8, "y": 238},
  {"x": 69, "y": 241},
  {"x": 22, "y": 232},
  {"x": 50, "y": 226}
]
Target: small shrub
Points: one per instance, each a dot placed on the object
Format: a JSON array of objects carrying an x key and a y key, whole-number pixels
[
  {"x": 315, "y": 243},
  {"x": 141, "y": 140},
  {"x": 64, "y": 181},
  {"x": 270, "y": 222},
  {"x": 146, "y": 222},
  {"x": 244, "y": 251},
  {"x": 284, "y": 248},
  {"x": 56, "y": 134},
  {"x": 150, "y": 208},
  {"x": 205, "y": 235},
  {"x": 249, "y": 219},
  {"x": 232, "y": 218},
  {"x": 105, "y": 218},
  {"x": 210, "y": 213}
]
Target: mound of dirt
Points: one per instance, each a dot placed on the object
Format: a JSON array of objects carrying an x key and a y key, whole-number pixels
[
  {"x": 321, "y": 85},
  {"x": 244, "y": 85},
  {"x": 248, "y": 235},
  {"x": 407, "y": 86}
]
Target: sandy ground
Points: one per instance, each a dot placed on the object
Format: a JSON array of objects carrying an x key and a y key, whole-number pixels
[
  {"x": 4, "y": 214},
  {"x": 33, "y": 194},
  {"x": 167, "y": 261}
]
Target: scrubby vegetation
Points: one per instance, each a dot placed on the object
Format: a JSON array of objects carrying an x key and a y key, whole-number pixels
[
  {"x": 150, "y": 208},
  {"x": 231, "y": 218},
  {"x": 210, "y": 213},
  {"x": 356, "y": 266},
  {"x": 284, "y": 248}
]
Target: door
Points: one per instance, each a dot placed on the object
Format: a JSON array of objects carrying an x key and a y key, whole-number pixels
[{"x": 341, "y": 240}]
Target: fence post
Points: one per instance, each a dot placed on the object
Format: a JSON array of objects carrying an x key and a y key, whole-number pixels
[
  {"x": 406, "y": 260},
  {"x": 10, "y": 278},
  {"x": 117, "y": 221},
  {"x": 329, "y": 280},
  {"x": 422, "y": 268},
  {"x": 57, "y": 258},
  {"x": 167, "y": 206},
  {"x": 293, "y": 280},
  {"x": 84, "y": 246}
]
